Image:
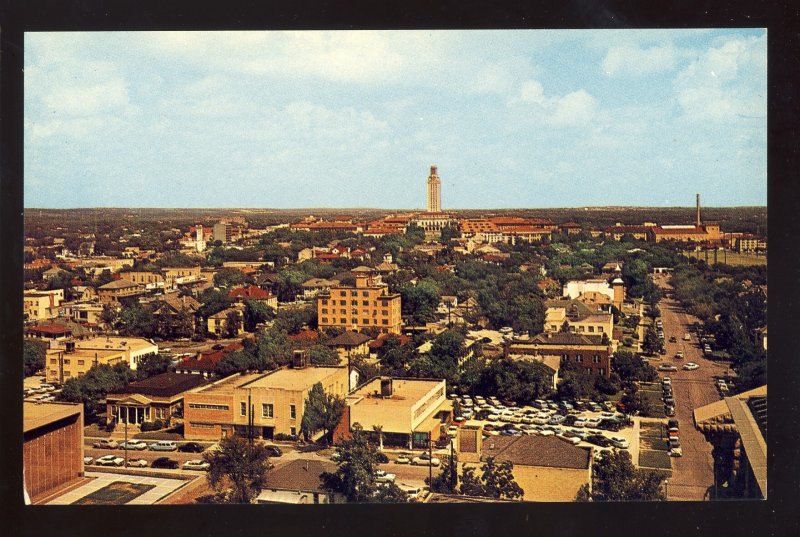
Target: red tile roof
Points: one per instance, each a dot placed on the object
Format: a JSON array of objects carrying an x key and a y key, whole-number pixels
[{"x": 251, "y": 291}]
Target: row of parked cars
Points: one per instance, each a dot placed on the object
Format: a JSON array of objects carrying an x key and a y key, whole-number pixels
[
  {"x": 161, "y": 462},
  {"x": 674, "y": 439},
  {"x": 141, "y": 445}
]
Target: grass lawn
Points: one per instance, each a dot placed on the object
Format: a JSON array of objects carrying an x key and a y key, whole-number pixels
[
  {"x": 117, "y": 493},
  {"x": 731, "y": 258},
  {"x": 158, "y": 435},
  {"x": 95, "y": 431},
  {"x": 658, "y": 460}
]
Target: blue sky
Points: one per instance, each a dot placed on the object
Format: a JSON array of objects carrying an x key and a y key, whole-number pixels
[{"x": 533, "y": 118}]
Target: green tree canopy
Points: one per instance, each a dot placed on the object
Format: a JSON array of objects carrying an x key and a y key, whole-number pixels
[
  {"x": 33, "y": 356},
  {"x": 323, "y": 355},
  {"x": 355, "y": 473},
  {"x": 518, "y": 380},
  {"x": 238, "y": 468},
  {"x": 616, "y": 479},
  {"x": 496, "y": 480},
  {"x": 322, "y": 411}
]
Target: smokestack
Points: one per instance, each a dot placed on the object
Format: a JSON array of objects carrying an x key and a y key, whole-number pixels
[{"x": 698, "y": 211}]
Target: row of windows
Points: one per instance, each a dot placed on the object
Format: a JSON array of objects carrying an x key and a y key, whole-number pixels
[
  {"x": 268, "y": 410},
  {"x": 345, "y": 321},
  {"x": 354, "y": 311},
  {"x": 384, "y": 303},
  {"x": 205, "y": 406},
  {"x": 579, "y": 358}
]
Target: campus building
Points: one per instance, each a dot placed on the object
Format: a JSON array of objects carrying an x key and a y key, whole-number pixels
[
  {"x": 52, "y": 449},
  {"x": 159, "y": 397},
  {"x": 276, "y": 401},
  {"x": 41, "y": 305},
  {"x": 410, "y": 412},
  {"x": 70, "y": 359}
]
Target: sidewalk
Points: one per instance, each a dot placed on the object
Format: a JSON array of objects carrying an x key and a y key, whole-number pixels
[{"x": 162, "y": 488}]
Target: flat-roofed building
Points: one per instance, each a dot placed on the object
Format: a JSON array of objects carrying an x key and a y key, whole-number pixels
[
  {"x": 52, "y": 449},
  {"x": 133, "y": 348},
  {"x": 277, "y": 402},
  {"x": 589, "y": 353},
  {"x": 411, "y": 412},
  {"x": 118, "y": 290},
  {"x": 64, "y": 362},
  {"x": 366, "y": 304}
]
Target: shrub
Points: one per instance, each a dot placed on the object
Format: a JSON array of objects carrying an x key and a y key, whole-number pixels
[
  {"x": 158, "y": 424},
  {"x": 286, "y": 437},
  {"x": 152, "y": 425},
  {"x": 382, "y": 458},
  {"x": 110, "y": 426}
]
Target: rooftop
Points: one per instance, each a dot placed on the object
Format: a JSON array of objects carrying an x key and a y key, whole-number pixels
[
  {"x": 281, "y": 379},
  {"x": 303, "y": 475},
  {"x": 536, "y": 451},
  {"x": 349, "y": 339},
  {"x": 115, "y": 343},
  {"x": 119, "y": 284},
  {"x": 405, "y": 392},
  {"x": 37, "y": 415},
  {"x": 165, "y": 384}
]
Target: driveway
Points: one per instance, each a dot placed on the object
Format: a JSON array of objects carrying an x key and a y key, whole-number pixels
[{"x": 693, "y": 473}]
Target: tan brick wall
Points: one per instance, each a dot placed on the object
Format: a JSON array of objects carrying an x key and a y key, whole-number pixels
[{"x": 53, "y": 455}]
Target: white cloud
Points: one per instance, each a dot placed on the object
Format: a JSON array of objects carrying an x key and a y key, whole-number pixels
[
  {"x": 87, "y": 100},
  {"x": 725, "y": 82},
  {"x": 532, "y": 92},
  {"x": 631, "y": 59},
  {"x": 574, "y": 108}
]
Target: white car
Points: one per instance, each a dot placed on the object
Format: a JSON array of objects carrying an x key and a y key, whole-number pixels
[
  {"x": 425, "y": 460},
  {"x": 138, "y": 445},
  {"x": 493, "y": 417},
  {"x": 546, "y": 432},
  {"x": 109, "y": 460},
  {"x": 138, "y": 463},
  {"x": 452, "y": 430},
  {"x": 690, "y": 366},
  {"x": 571, "y": 439},
  {"x": 196, "y": 464},
  {"x": 382, "y": 476},
  {"x": 88, "y": 460},
  {"x": 402, "y": 459},
  {"x": 619, "y": 442},
  {"x": 687, "y": 337}
]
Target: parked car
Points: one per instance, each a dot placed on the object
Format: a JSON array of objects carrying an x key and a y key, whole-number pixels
[
  {"x": 667, "y": 367},
  {"x": 274, "y": 451},
  {"x": 673, "y": 339},
  {"x": 382, "y": 476},
  {"x": 137, "y": 463},
  {"x": 335, "y": 456},
  {"x": 402, "y": 459},
  {"x": 137, "y": 445},
  {"x": 687, "y": 336},
  {"x": 196, "y": 464},
  {"x": 598, "y": 440},
  {"x": 88, "y": 460},
  {"x": 191, "y": 447},
  {"x": 556, "y": 420},
  {"x": 165, "y": 462},
  {"x": 690, "y": 366},
  {"x": 619, "y": 442},
  {"x": 669, "y": 410},
  {"x": 425, "y": 460},
  {"x": 106, "y": 443},
  {"x": 679, "y": 355},
  {"x": 566, "y": 437},
  {"x": 164, "y": 445},
  {"x": 109, "y": 460}
]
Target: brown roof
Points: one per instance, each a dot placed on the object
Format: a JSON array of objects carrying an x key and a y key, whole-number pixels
[
  {"x": 119, "y": 284},
  {"x": 51, "y": 328},
  {"x": 536, "y": 451},
  {"x": 251, "y": 291},
  {"x": 566, "y": 338},
  {"x": 304, "y": 335},
  {"x": 164, "y": 385},
  {"x": 378, "y": 343},
  {"x": 303, "y": 475},
  {"x": 349, "y": 339}
]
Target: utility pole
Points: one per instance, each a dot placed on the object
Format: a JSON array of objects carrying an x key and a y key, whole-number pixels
[
  {"x": 430, "y": 462},
  {"x": 126, "y": 442}
]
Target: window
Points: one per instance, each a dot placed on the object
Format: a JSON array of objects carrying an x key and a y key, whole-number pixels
[
  {"x": 365, "y": 302},
  {"x": 267, "y": 410},
  {"x": 384, "y": 321},
  {"x": 602, "y": 371},
  {"x": 53, "y": 361},
  {"x": 80, "y": 362},
  {"x": 354, "y": 312},
  {"x": 67, "y": 374},
  {"x": 342, "y": 311},
  {"x": 66, "y": 361},
  {"x": 292, "y": 412},
  {"x": 579, "y": 358},
  {"x": 364, "y": 321},
  {"x": 354, "y": 302},
  {"x": 293, "y": 431},
  {"x": 342, "y": 293},
  {"x": 325, "y": 302},
  {"x": 243, "y": 408},
  {"x": 208, "y": 407},
  {"x": 384, "y": 312},
  {"x": 591, "y": 328},
  {"x": 353, "y": 293},
  {"x": 343, "y": 321},
  {"x": 324, "y": 319},
  {"x": 596, "y": 359},
  {"x": 364, "y": 293}
]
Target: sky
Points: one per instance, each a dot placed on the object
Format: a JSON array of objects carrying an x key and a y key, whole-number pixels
[{"x": 512, "y": 119}]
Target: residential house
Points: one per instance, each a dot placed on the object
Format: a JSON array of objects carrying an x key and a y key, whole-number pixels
[
  {"x": 299, "y": 482},
  {"x": 41, "y": 305},
  {"x": 218, "y": 323},
  {"x": 242, "y": 294}
]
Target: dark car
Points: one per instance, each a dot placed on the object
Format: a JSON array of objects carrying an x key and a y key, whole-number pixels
[
  {"x": 165, "y": 462},
  {"x": 274, "y": 451},
  {"x": 191, "y": 447},
  {"x": 598, "y": 440}
]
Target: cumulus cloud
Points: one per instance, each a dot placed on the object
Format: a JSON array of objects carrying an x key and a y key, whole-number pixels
[
  {"x": 725, "y": 82},
  {"x": 634, "y": 60},
  {"x": 574, "y": 108}
]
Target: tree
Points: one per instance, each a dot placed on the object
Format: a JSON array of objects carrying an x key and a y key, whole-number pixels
[
  {"x": 322, "y": 411},
  {"x": 213, "y": 302},
  {"x": 238, "y": 468},
  {"x": 227, "y": 278},
  {"x": 355, "y": 473},
  {"x": 616, "y": 479},
  {"x": 516, "y": 380},
  {"x": 33, "y": 356},
  {"x": 137, "y": 321},
  {"x": 446, "y": 482},
  {"x": 109, "y": 316},
  {"x": 233, "y": 322},
  {"x": 256, "y": 312},
  {"x": 235, "y": 362},
  {"x": 420, "y": 301},
  {"x": 651, "y": 343},
  {"x": 152, "y": 364},
  {"x": 495, "y": 481},
  {"x": 323, "y": 355},
  {"x": 630, "y": 367},
  {"x": 635, "y": 402},
  {"x": 93, "y": 386}
]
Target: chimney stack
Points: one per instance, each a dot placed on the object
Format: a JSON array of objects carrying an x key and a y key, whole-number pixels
[{"x": 698, "y": 211}]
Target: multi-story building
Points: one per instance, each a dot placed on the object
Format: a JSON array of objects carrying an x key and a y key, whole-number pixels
[
  {"x": 176, "y": 275},
  {"x": 118, "y": 291},
  {"x": 150, "y": 280},
  {"x": 52, "y": 448},
  {"x": 71, "y": 359},
  {"x": 579, "y": 318},
  {"x": 366, "y": 304},
  {"x": 218, "y": 323},
  {"x": 589, "y": 353},
  {"x": 273, "y": 403},
  {"x": 157, "y": 397},
  {"x": 40, "y": 305},
  {"x": 434, "y": 192},
  {"x": 410, "y": 412}
]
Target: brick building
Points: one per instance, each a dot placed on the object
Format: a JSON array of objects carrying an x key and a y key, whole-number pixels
[
  {"x": 52, "y": 452},
  {"x": 587, "y": 351},
  {"x": 367, "y": 304}
]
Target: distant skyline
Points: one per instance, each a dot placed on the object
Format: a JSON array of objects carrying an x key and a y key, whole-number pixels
[{"x": 512, "y": 119}]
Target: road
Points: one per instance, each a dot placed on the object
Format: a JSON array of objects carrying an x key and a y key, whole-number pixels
[{"x": 693, "y": 473}]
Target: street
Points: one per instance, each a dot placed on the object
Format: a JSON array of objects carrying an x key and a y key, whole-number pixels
[{"x": 692, "y": 474}]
